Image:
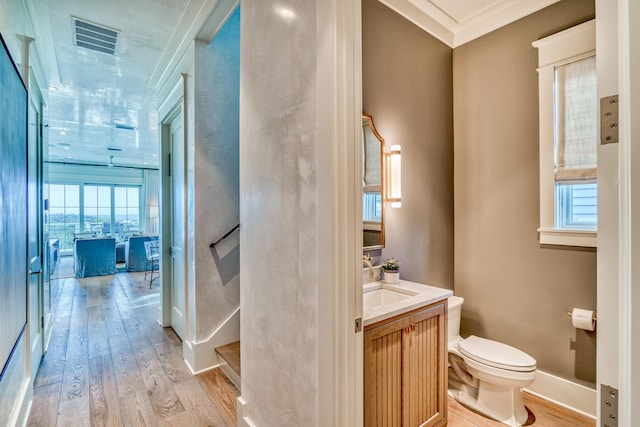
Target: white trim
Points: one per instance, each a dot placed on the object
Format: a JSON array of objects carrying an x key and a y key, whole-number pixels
[
  {"x": 242, "y": 413},
  {"x": 496, "y": 16},
  {"x": 191, "y": 22},
  {"x": 567, "y": 394},
  {"x": 19, "y": 415},
  {"x": 221, "y": 13},
  {"x": 38, "y": 17},
  {"x": 568, "y": 45},
  {"x": 608, "y": 306},
  {"x": 454, "y": 33},
  {"x": 629, "y": 214},
  {"x": 582, "y": 238},
  {"x": 171, "y": 100},
  {"x": 339, "y": 118},
  {"x": 421, "y": 19},
  {"x": 574, "y": 41},
  {"x": 201, "y": 355}
]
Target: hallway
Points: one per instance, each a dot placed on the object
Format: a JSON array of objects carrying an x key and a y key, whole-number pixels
[{"x": 110, "y": 363}]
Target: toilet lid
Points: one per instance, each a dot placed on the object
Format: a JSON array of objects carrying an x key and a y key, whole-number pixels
[{"x": 496, "y": 354}]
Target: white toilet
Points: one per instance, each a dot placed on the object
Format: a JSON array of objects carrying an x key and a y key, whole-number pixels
[{"x": 487, "y": 375}]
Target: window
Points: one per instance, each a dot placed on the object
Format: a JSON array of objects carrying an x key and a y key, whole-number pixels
[
  {"x": 64, "y": 214},
  {"x": 372, "y": 207},
  {"x": 127, "y": 209},
  {"x": 577, "y": 206},
  {"x": 568, "y": 137},
  {"x": 97, "y": 209},
  {"x": 104, "y": 210}
]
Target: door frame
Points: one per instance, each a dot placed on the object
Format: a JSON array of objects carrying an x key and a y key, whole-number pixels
[
  {"x": 40, "y": 320},
  {"x": 173, "y": 105},
  {"x": 628, "y": 36}
]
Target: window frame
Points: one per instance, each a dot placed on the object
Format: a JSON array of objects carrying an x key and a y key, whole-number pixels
[
  {"x": 82, "y": 224},
  {"x": 567, "y": 46}
]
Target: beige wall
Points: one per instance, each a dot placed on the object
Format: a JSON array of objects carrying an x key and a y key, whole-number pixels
[
  {"x": 515, "y": 290},
  {"x": 407, "y": 88}
]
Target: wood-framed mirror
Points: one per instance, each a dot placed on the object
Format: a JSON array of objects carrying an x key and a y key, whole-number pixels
[{"x": 373, "y": 178}]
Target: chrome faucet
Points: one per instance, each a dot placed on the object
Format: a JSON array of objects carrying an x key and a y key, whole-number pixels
[{"x": 366, "y": 260}]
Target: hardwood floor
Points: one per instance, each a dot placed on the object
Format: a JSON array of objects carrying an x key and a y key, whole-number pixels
[
  {"x": 541, "y": 414},
  {"x": 109, "y": 363}
]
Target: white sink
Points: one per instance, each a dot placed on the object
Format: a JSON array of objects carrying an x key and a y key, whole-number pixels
[
  {"x": 381, "y": 301},
  {"x": 383, "y": 296}
]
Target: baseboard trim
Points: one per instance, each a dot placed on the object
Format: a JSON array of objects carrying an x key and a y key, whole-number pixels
[
  {"x": 565, "y": 393},
  {"x": 23, "y": 403},
  {"x": 242, "y": 413},
  {"x": 201, "y": 356}
]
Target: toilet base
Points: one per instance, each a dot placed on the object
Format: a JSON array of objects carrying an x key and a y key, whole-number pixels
[{"x": 502, "y": 404}]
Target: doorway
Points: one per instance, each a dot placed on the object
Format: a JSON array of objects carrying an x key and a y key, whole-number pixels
[
  {"x": 174, "y": 222},
  {"x": 39, "y": 291}
]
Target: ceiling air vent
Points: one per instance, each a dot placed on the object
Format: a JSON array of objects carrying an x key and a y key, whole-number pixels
[{"x": 94, "y": 37}]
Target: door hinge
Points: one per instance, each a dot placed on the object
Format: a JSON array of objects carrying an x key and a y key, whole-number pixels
[
  {"x": 42, "y": 322},
  {"x": 169, "y": 164},
  {"x": 358, "y": 324},
  {"x": 608, "y": 406},
  {"x": 609, "y": 120}
]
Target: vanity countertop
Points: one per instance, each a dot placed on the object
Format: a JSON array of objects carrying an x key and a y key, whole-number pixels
[{"x": 404, "y": 297}]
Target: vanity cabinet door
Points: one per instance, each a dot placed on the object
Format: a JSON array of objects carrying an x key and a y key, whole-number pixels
[{"x": 405, "y": 370}]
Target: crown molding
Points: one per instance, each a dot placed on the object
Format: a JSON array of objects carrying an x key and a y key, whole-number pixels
[
  {"x": 443, "y": 26},
  {"x": 194, "y": 18}
]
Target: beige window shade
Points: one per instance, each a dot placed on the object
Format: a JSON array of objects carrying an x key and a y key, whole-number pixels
[
  {"x": 576, "y": 121},
  {"x": 371, "y": 161}
]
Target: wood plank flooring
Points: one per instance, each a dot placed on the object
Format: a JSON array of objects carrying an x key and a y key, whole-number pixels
[
  {"x": 109, "y": 363},
  {"x": 541, "y": 414}
]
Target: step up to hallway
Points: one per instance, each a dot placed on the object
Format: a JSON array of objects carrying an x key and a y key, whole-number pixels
[{"x": 230, "y": 355}]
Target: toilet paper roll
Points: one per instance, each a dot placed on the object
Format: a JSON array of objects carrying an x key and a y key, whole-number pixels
[{"x": 583, "y": 319}]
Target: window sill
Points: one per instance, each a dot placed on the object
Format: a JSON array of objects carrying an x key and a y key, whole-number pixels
[
  {"x": 557, "y": 237},
  {"x": 371, "y": 225}
]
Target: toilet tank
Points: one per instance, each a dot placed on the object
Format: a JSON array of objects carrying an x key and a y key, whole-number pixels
[{"x": 454, "y": 315}]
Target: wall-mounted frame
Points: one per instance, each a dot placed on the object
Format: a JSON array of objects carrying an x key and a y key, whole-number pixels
[
  {"x": 373, "y": 183},
  {"x": 13, "y": 207}
]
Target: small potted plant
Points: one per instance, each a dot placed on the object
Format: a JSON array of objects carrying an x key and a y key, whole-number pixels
[{"x": 391, "y": 267}]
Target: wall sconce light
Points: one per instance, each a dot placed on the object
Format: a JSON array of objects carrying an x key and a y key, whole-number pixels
[{"x": 394, "y": 186}]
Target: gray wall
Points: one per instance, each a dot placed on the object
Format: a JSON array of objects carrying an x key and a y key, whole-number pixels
[
  {"x": 215, "y": 175},
  {"x": 279, "y": 214},
  {"x": 407, "y": 88},
  {"x": 515, "y": 290}
]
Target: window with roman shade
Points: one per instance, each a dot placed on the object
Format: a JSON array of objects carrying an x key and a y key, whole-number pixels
[
  {"x": 576, "y": 126},
  {"x": 568, "y": 124}
]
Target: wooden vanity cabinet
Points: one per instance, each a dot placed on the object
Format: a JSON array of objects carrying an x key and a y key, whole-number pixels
[{"x": 405, "y": 371}]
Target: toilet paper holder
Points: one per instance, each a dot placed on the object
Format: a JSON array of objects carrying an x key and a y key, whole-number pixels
[{"x": 594, "y": 317}]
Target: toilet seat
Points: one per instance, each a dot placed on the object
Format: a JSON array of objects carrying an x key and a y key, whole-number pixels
[{"x": 496, "y": 354}]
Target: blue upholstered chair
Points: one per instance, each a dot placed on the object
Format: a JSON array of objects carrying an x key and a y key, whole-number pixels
[
  {"x": 94, "y": 257},
  {"x": 135, "y": 254}
]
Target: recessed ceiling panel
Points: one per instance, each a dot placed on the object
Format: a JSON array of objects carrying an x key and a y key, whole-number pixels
[
  {"x": 102, "y": 100},
  {"x": 461, "y": 10}
]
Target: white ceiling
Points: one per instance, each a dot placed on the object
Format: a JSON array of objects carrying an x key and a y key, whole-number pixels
[
  {"x": 92, "y": 92},
  {"x": 456, "y": 22}
]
